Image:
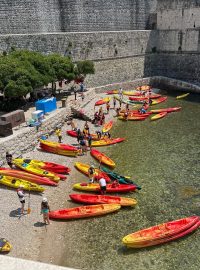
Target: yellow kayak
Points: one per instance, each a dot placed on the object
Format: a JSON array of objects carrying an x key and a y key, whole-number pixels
[
  {"x": 19, "y": 162},
  {"x": 85, "y": 167},
  {"x": 5, "y": 246},
  {"x": 106, "y": 141},
  {"x": 182, "y": 96},
  {"x": 107, "y": 126},
  {"x": 14, "y": 182}
]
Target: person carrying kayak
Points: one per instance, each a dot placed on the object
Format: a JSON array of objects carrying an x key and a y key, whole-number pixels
[
  {"x": 91, "y": 174},
  {"x": 102, "y": 183}
]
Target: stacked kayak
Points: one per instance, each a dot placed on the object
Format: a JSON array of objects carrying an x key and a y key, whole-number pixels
[
  {"x": 102, "y": 158},
  {"x": 158, "y": 116},
  {"x": 168, "y": 110},
  {"x": 27, "y": 177},
  {"x": 112, "y": 92},
  {"x": 82, "y": 167},
  {"x": 109, "y": 188},
  {"x": 104, "y": 142},
  {"x": 5, "y": 246},
  {"x": 35, "y": 170},
  {"x": 73, "y": 133},
  {"x": 158, "y": 100},
  {"x": 127, "y": 101},
  {"x": 99, "y": 199},
  {"x": 49, "y": 166},
  {"x": 107, "y": 126},
  {"x": 182, "y": 96},
  {"x": 59, "y": 148},
  {"x": 102, "y": 101},
  {"x": 17, "y": 182},
  {"x": 121, "y": 179},
  {"x": 84, "y": 211},
  {"x": 162, "y": 233}
]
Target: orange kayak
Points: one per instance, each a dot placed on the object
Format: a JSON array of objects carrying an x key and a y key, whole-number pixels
[
  {"x": 132, "y": 118},
  {"x": 152, "y": 96},
  {"x": 59, "y": 148},
  {"x": 160, "y": 231},
  {"x": 98, "y": 199},
  {"x": 102, "y": 101},
  {"x": 158, "y": 116},
  {"x": 102, "y": 158},
  {"x": 84, "y": 211},
  {"x": 158, "y": 100},
  {"x": 168, "y": 110},
  {"x": 104, "y": 142},
  {"x": 107, "y": 126}
]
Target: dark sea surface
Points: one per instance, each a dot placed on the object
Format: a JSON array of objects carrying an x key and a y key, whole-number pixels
[{"x": 163, "y": 157}]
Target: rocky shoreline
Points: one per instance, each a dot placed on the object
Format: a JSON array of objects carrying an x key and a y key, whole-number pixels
[{"x": 29, "y": 237}]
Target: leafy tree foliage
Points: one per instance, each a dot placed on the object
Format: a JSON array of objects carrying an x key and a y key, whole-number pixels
[{"x": 22, "y": 71}]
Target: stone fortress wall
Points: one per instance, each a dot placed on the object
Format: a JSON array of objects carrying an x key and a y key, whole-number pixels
[
  {"x": 77, "y": 28},
  {"x": 43, "y": 16}
]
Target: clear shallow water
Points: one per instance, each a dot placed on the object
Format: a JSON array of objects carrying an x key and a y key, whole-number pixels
[{"x": 164, "y": 158}]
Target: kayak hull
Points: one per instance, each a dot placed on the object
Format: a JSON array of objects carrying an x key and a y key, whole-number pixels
[
  {"x": 102, "y": 199},
  {"x": 14, "y": 182},
  {"x": 160, "y": 231},
  {"x": 102, "y": 101},
  {"x": 158, "y": 116},
  {"x": 27, "y": 177},
  {"x": 168, "y": 110},
  {"x": 5, "y": 246},
  {"x": 73, "y": 133},
  {"x": 59, "y": 148},
  {"x": 105, "y": 142},
  {"x": 182, "y": 96},
  {"x": 82, "y": 167},
  {"x": 158, "y": 100},
  {"x": 84, "y": 211},
  {"x": 35, "y": 170},
  {"x": 107, "y": 126},
  {"x": 96, "y": 188},
  {"x": 102, "y": 158}
]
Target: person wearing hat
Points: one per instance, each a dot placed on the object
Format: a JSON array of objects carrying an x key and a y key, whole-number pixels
[
  {"x": 91, "y": 174},
  {"x": 21, "y": 195},
  {"x": 45, "y": 210}
]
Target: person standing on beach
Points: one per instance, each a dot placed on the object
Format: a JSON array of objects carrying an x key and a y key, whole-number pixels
[
  {"x": 21, "y": 196},
  {"x": 108, "y": 107},
  {"x": 9, "y": 160},
  {"x": 75, "y": 93},
  {"x": 58, "y": 134},
  {"x": 45, "y": 210},
  {"x": 82, "y": 96},
  {"x": 102, "y": 183},
  {"x": 89, "y": 138},
  {"x": 114, "y": 102}
]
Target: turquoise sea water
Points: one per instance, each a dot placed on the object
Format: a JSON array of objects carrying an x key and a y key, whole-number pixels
[{"x": 163, "y": 157}]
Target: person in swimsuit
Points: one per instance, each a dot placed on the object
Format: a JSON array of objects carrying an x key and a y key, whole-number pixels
[{"x": 45, "y": 210}]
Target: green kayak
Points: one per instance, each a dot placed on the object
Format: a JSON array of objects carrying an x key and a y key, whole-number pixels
[{"x": 121, "y": 179}]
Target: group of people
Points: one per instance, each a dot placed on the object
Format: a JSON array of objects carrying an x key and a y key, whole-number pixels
[
  {"x": 99, "y": 117},
  {"x": 45, "y": 209}
]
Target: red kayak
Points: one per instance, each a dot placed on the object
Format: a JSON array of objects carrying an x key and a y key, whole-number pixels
[
  {"x": 59, "y": 148},
  {"x": 171, "y": 238},
  {"x": 84, "y": 211},
  {"x": 145, "y": 97},
  {"x": 110, "y": 188},
  {"x": 168, "y": 110},
  {"x": 158, "y": 100},
  {"x": 73, "y": 133},
  {"x": 28, "y": 177},
  {"x": 99, "y": 199},
  {"x": 162, "y": 233}
]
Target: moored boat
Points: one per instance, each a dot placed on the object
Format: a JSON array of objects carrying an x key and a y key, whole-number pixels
[
  {"x": 168, "y": 110},
  {"x": 182, "y": 96}
]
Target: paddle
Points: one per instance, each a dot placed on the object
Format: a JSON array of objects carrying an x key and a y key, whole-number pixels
[{"x": 29, "y": 202}]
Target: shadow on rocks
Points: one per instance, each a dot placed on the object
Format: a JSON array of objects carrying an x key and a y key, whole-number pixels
[
  {"x": 15, "y": 213},
  {"x": 39, "y": 224}
]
